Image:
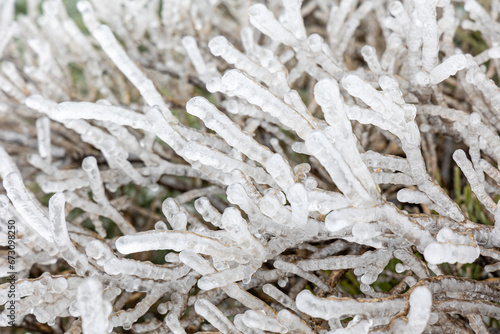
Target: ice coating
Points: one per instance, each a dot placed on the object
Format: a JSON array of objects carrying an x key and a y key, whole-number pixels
[
  {"x": 235, "y": 82},
  {"x": 279, "y": 296},
  {"x": 328, "y": 308},
  {"x": 294, "y": 22},
  {"x": 43, "y": 129},
  {"x": 264, "y": 20},
  {"x": 280, "y": 170},
  {"x": 447, "y": 68},
  {"x": 174, "y": 215},
  {"x": 420, "y": 310},
  {"x": 259, "y": 320},
  {"x": 211, "y": 157},
  {"x": 116, "y": 266},
  {"x": 324, "y": 202},
  {"x": 321, "y": 148},
  {"x": 220, "y": 46},
  {"x": 209, "y": 213},
  {"x": 323, "y": 142},
  {"x": 237, "y": 227},
  {"x": 475, "y": 183},
  {"x": 111, "y": 46},
  {"x": 386, "y": 107},
  {"x": 164, "y": 130},
  {"x": 370, "y": 56},
  {"x": 293, "y": 322},
  {"x": 272, "y": 205},
  {"x": 189, "y": 43},
  {"x": 86, "y": 110},
  {"x": 219, "y": 122},
  {"x": 289, "y": 267},
  {"x": 327, "y": 94},
  {"x": 7, "y": 165},
  {"x": 388, "y": 214},
  {"x": 26, "y": 206},
  {"x": 177, "y": 241},
  {"x": 61, "y": 236},
  {"x": 94, "y": 309},
  {"x": 210, "y": 312},
  {"x": 355, "y": 326},
  {"x": 89, "y": 165},
  {"x": 297, "y": 195},
  {"x": 437, "y": 252}
]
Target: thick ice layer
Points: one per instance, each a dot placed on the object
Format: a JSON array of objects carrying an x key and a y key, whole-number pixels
[
  {"x": 447, "y": 68},
  {"x": 210, "y": 312},
  {"x": 438, "y": 252},
  {"x": 259, "y": 320},
  {"x": 420, "y": 310},
  {"x": 93, "y": 308},
  {"x": 309, "y": 169},
  {"x": 220, "y": 123},
  {"x": 235, "y": 82},
  {"x": 328, "y": 308},
  {"x": 264, "y": 20},
  {"x": 26, "y": 206},
  {"x": 341, "y": 174},
  {"x": 178, "y": 241},
  {"x": 191, "y": 47}
]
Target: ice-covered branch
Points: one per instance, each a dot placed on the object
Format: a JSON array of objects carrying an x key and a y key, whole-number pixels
[
  {"x": 236, "y": 167},
  {"x": 92, "y": 306}
]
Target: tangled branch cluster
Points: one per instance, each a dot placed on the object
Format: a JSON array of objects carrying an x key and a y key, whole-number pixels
[{"x": 304, "y": 189}]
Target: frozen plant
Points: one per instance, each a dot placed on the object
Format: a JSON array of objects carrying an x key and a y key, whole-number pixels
[{"x": 247, "y": 167}]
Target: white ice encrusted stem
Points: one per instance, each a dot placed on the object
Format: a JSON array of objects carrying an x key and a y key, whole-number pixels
[
  {"x": 396, "y": 221},
  {"x": 110, "y": 45},
  {"x": 210, "y": 312},
  {"x": 43, "y": 136},
  {"x": 420, "y": 309},
  {"x": 199, "y": 264},
  {"x": 425, "y": 20},
  {"x": 259, "y": 320},
  {"x": 333, "y": 307},
  {"x": 476, "y": 185},
  {"x": 31, "y": 212},
  {"x": 399, "y": 119},
  {"x": 94, "y": 309},
  {"x": 238, "y": 229},
  {"x": 264, "y": 20},
  {"x": 236, "y": 83},
  {"x": 447, "y": 68},
  {"x": 101, "y": 112},
  {"x": 220, "y": 46},
  {"x": 178, "y": 241},
  {"x": 89, "y": 165},
  {"x": 321, "y": 148},
  {"x": 328, "y": 97},
  {"x": 61, "y": 236},
  {"x": 284, "y": 186},
  {"x": 115, "y": 266},
  {"x": 191, "y": 47},
  {"x": 452, "y": 247},
  {"x": 277, "y": 167},
  {"x": 217, "y": 121},
  {"x": 7, "y": 165}
]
